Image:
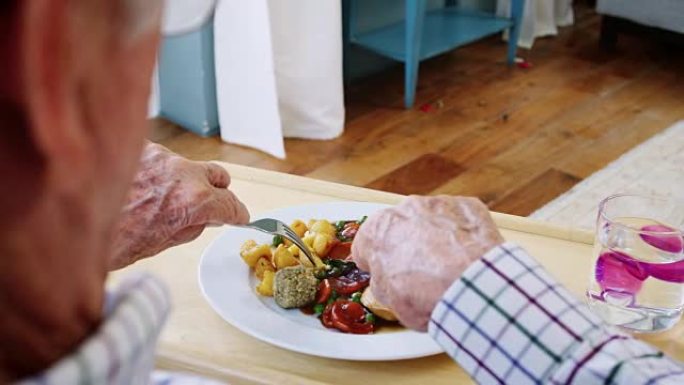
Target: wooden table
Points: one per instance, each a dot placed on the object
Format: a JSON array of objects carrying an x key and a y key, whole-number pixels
[{"x": 196, "y": 339}]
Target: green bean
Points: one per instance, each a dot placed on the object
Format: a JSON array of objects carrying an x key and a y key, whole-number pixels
[{"x": 277, "y": 240}]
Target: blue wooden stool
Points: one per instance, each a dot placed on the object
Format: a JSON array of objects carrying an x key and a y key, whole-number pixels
[
  {"x": 187, "y": 80},
  {"x": 425, "y": 34}
]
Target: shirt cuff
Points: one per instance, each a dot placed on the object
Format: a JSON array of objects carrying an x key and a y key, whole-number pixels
[{"x": 506, "y": 320}]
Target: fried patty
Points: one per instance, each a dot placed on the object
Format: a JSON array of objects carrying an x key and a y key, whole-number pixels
[{"x": 294, "y": 287}]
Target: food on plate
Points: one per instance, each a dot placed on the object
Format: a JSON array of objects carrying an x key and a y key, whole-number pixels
[
  {"x": 262, "y": 265},
  {"x": 251, "y": 252},
  {"x": 372, "y": 304},
  {"x": 322, "y": 227},
  {"x": 299, "y": 227},
  {"x": 283, "y": 257},
  {"x": 349, "y": 317},
  {"x": 333, "y": 288},
  {"x": 265, "y": 288},
  {"x": 294, "y": 287}
]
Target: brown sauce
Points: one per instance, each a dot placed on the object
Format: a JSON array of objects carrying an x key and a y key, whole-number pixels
[
  {"x": 382, "y": 326},
  {"x": 308, "y": 310}
]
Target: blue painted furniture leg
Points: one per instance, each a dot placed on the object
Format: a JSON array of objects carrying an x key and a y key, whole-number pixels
[
  {"x": 187, "y": 81},
  {"x": 517, "y": 8},
  {"x": 415, "y": 14}
]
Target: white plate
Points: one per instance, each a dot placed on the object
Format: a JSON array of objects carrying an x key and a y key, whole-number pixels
[{"x": 228, "y": 285}]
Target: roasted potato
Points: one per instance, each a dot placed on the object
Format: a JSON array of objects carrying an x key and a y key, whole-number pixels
[
  {"x": 323, "y": 227},
  {"x": 262, "y": 265},
  {"x": 282, "y": 258},
  {"x": 308, "y": 238},
  {"x": 252, "y": 255},
  {"x": 299, "y": 227},
  {"x": 265, "y": 288},
  {"x": 322, "y": 244},
  {"x": 294, "y": 250},
  {"x": 248, "y": 244},
  {"x": 301, "y": 257},
  {"x": 304, "y": 260}
]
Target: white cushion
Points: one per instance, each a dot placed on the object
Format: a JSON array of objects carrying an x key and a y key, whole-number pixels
[
  {"x": 182, "y": 16},
  {"x": 665, "y": 14}
]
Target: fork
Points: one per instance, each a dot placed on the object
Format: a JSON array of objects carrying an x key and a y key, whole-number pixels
[{"x": 276, "y": 227}]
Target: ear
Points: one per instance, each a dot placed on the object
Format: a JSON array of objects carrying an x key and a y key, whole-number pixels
[{"x": 50, "y": 90}]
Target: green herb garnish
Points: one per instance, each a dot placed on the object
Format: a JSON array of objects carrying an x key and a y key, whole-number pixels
[
  {"x": 339, "y": 225},
  {"x": 338, "y": 267},
  {"x": 333, "y": 297},
  {"x": 356, "y": 297},
  {"x": 278, "y": 240}
]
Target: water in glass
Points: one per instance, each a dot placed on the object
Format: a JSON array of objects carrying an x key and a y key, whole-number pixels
[{"x": 638, "y": 277}]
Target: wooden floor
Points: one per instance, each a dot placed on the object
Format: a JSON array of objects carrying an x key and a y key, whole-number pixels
[{"x": 514, "y": 137}]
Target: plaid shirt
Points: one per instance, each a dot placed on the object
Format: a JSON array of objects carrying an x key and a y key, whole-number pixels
[
  {"x": 122, "y": 351},
  {"x": 506, "y": 321}
]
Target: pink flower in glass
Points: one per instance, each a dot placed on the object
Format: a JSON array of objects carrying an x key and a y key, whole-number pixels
[
  {"x": 618, "y": 272},
  {"x": 671, "y": 243}
]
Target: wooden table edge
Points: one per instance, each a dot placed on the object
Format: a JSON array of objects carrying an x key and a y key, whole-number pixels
[{"x": 346, "y": 192}]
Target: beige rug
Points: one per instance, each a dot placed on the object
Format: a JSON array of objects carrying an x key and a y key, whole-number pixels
[{"x": 655, "y": 167}]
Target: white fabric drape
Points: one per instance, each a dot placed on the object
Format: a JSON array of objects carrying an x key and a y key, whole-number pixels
[
  {"x": 278, "y": 71},
  {"x": 245, "y": 76},
  {"x": 541, "y": 18}
]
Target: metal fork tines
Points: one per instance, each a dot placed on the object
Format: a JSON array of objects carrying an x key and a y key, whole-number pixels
[{"x": 274, "y": 226}]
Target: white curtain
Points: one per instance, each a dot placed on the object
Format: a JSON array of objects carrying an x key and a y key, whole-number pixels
[
  {"x": 278, "y": 71},
  {"x": 541, "y": 18}
]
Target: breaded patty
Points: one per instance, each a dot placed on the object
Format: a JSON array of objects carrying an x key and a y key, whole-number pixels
[{"x": 294, "y": 287}]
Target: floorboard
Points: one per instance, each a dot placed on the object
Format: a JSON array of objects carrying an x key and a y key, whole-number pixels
[
  {"x": 539, "y": 191},
  {"x": 418, "y": 177},
  {"x": 514, "y": 137}
]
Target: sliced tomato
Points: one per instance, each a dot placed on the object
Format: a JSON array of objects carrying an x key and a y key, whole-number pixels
[
  {"x": 324, "y": 291},
  {"x": 350, "y": 230},
  {"x": 333, "y": 243},
  {"x": 350, "y": 317},
  {"x": 340, "y": 250},
  {"x": 326, "y": 317},
  {"x": 355, "y": 281}
]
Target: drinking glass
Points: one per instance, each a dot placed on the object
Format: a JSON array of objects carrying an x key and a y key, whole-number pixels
[{"x": 637, "y": 280}]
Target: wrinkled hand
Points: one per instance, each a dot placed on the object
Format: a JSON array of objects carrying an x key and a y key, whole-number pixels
[
  {"x": 418, "y": 249},
  {"x": 171, "y": 201}
]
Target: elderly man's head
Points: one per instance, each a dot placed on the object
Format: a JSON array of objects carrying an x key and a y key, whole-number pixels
[{"x": 74, "y": 85}]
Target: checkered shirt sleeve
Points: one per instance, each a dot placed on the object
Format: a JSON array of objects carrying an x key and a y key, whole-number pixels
[
  {"x": 122, "y": 350},
  {"x": 507, "y": 321}
]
